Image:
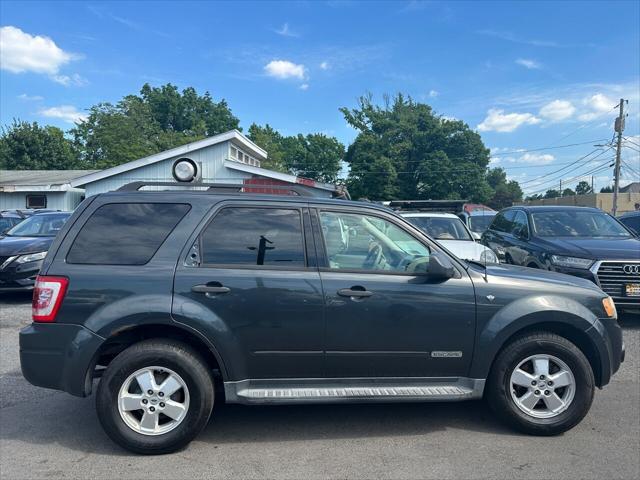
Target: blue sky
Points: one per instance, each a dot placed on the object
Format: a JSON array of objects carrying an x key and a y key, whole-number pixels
[{"x": 525, "y": 75}]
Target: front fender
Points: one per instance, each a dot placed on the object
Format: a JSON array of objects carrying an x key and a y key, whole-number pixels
[{"x": 521, "y": 314}]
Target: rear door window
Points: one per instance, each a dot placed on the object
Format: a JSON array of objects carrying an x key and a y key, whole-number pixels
[
  {"x": 503, "y": 221},
  {"x": 254, "y": 237},
  {"x": 125, "y": 233},
  {"x": 520, "y": 226}
]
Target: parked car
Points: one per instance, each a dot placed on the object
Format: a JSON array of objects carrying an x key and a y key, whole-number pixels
[
  {"x": 23, "y": 248},
  {"x": 449, "y": 231},
  {"x": 477, "y": 218},
  {"x": 280, "y": 299},
  {"x": 10, "y": 218},
  {"x": 580, "y": 241},
  {"x": 631, "y": 220}
]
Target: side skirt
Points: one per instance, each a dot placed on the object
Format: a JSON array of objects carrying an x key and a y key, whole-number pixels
[{"x": 337, "y": 390}]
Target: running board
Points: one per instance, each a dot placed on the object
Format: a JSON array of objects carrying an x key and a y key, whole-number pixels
[{"x": 352, "y": 390}]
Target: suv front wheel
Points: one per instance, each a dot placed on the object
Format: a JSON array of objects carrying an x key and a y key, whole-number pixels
[
  {"x": 155, "y": 397},
  {"x": 541, "y": 384}
]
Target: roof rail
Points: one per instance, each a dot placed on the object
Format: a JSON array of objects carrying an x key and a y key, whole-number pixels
[{"x": 218, "y": 187}]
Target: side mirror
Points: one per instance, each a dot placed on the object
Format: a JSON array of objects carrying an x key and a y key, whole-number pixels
[
  {"x": 476, "y": 236},
  {"x": 440, "y": 267}
]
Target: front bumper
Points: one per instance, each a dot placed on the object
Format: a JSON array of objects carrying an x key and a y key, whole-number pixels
[
  {"x": 59, "y": 356},
  {"x": 17, "y": 276},
  {"x": 606, "y": 335}
]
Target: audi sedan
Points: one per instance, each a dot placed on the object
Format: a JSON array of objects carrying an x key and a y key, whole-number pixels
[{"x": 580, "y": 241}]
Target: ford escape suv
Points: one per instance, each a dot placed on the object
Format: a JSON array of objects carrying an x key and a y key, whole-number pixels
[{"x": 179, "y": 299}]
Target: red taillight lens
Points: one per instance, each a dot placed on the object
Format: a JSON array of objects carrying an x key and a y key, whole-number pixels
[{"x": 47, "y": 297}]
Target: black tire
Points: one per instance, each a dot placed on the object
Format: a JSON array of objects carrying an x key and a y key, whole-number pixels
[
  {"x": 499, "y": 385},
  {"x": 173, "y": 355}
]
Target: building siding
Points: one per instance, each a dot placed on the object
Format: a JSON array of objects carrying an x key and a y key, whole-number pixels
[
  {"x": 211, "y": 158},
  {"x": 68, "y": 200}
]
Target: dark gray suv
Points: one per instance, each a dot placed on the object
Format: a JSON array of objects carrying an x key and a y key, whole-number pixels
[{"x": 179, "y": 299}]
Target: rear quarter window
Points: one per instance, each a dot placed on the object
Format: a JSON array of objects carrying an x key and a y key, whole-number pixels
[{"x": 125, "y": 233}]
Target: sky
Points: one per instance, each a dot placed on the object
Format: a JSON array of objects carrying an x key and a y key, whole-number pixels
[{"x": 539, "y": 81}]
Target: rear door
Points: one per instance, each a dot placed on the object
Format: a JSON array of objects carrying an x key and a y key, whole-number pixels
[
  {"x": 498, "y": 237},
  {"x": 384, "y": 316},
  {"x": 249, "y": 280}
]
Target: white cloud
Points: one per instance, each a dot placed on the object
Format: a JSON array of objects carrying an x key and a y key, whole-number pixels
[
  {"x": 324, "y": 65},
  {"x": 528, "y": 158},
  {"x": 433, "y": 93},
  {"x": 21, "y": 52},
  {"x": 30, "y": 98},
  {"x": 285, "y": 31},
  {"x": 285, "y": 69},
  {"x": 538, "y": 158},
  {"x": 68, "y": 80},
  {"x": 557, "y": 110},
  {"x": 304, "y": 86},
  {"x": 68, "y": 113},
  {"x": 597, "y": 105},
  {"x": 528, "y": 63},
  {"x": 498, "y": 121}
]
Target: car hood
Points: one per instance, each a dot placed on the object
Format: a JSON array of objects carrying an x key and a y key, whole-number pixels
[
  {"x": 20, "y": 245},
  {"x": 464, "y": 249},
  {"x": 595, "y": 248},
  {"x": 515, "y": 274}
]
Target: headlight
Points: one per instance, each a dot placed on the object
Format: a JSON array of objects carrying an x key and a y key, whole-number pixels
[
  {"x": 571, "y": 262},
  {"x": 31, "y": 257},
  {"x": 488, "y": 256}
]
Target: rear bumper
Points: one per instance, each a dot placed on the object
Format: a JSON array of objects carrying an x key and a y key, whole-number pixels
[{"x": 59, "y": 356}]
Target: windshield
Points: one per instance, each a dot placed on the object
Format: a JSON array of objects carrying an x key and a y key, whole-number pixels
[
  {"x": 8, "y": 222},
  {"x": 481, "y": 223},
  {"x": 39, "y": 226},
  {"x": 441, "y": 228},
  {"x": 577, "y": 224}
]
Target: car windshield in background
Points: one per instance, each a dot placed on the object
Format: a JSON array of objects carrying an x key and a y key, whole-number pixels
[
  {"x": 39, "y": 226},
  {"x": 441, "y": 228},
  {"x": 7, "y": 222},
  {"x": 480, "y": 223},
  {"x": 577, "y": 224}
]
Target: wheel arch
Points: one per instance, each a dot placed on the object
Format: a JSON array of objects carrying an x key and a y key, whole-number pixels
[{"x": 123, "y": 339}]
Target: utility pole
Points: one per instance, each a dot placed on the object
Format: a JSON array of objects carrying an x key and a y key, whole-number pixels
[
  {"x": 561, "y": 187},
  {"x": 619, "y": 128},
  {"x": 592, "y": 189}
]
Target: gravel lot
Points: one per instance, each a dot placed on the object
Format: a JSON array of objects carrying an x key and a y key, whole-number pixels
[{"x": 44, "y": 433}]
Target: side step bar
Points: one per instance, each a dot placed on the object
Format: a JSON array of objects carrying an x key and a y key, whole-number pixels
[{"x": 352, "y": 390}]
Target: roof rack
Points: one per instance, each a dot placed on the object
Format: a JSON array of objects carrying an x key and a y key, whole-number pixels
[{"x": 218, "y": 187}]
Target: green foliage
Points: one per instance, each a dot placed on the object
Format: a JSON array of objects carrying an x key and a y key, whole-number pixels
[
  {"x": 404, "y": 150},
  {"x": 552, "y": 193},
  {"x": 535, "y": 196},
  {"x": 28, "y": 146},
  {"x": 583, "y": 188},
  {"x": 607, "y": 189},
  {"x": 314, "y": 156},
  {"x": 567, "y": 192},
  {"x": 139, "y": 125}
]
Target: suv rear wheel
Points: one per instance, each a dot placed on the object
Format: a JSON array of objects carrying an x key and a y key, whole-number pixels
[
  {"x": 155, "y": 397},
  {"x": 541, "y": 384}
]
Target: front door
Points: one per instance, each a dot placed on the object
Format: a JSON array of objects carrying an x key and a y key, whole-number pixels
[
  {"x": 250, "y": 283},
  {"x": 384, "y": 316}
]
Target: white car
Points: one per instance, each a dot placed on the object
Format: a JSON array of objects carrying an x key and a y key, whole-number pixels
[{"x": 449, "y": 231}]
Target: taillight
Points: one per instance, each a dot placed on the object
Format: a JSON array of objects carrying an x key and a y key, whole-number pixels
[{"x": 47, "y": 297}]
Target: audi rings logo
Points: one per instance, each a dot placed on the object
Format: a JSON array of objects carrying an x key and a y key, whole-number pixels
[{"x": 631, "y": 269}]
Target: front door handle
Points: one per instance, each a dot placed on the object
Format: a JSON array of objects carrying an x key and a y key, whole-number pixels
[
  {"x": 213, "y": 287},
  {"x": 354, "y": 292}
]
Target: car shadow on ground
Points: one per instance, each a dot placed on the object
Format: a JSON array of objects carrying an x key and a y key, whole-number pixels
[
  {"x": 43, "y": 417},
  {"x": 16, "y": 298}
]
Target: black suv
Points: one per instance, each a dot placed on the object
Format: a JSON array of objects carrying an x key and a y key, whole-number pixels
[
  {"x": 179, "y": 299},
  {"x": 580, "y": 241}
]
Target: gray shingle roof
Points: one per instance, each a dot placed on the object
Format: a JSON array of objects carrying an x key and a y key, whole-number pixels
[{"x": 40, "y": 177}]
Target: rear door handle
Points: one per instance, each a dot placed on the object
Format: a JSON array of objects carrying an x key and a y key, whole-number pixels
[
  {"x": 351, "y": 292},
  {"x": 210, "y": 288}
]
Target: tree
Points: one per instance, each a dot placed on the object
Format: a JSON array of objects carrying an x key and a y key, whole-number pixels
[
  {"x": 404, "y": 150},
  {"x": 505, "y": 193},
  {"x": 535, "y": 196},
  {"x": 552, "y": 193},
  {"x": 314, "y": 156},
  {"x": 139, "y": 125},
  {"x": 567, "y": 192},
  {"x": 583, "y": 188},
  {"x": 607, "y": 189},
  {"x": 28, "y": 146}
]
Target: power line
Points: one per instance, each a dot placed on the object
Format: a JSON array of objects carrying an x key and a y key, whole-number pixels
[{"x": 600, "y": 168}]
